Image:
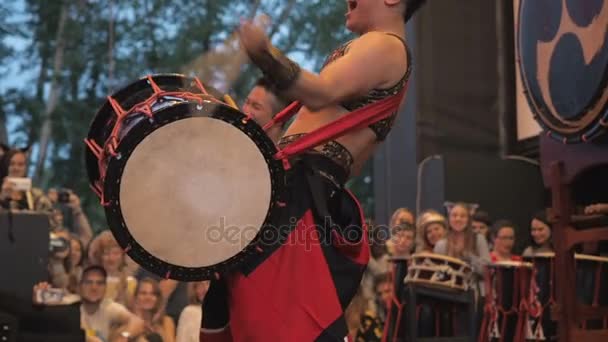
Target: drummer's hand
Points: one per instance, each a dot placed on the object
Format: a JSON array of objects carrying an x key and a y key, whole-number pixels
[
  {"x": 39, "y": 287},
  {"x": 253, "y": 38},
  {"x": 7, "y": 188},
  {"x": 599, "y": 208}
]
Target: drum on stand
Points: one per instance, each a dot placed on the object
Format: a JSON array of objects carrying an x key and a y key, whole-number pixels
[
  {"x": 508, "y": 285},
  {"x": 439, "y": 271},
  {"x": 542, "y": 327},
  {"x": 394, "y": 327},
  {"x": 188, "y": 183},
  {"x": 591, "y": 289},
  {"x": 592, "y": 285}
]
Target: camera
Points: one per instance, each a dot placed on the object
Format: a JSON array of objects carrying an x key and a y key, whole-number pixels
[
  {"x": 58, "y": 244},
  {"x": 20, "y": 183},
  {"x": 50, "y": 296},
  {"x": 63, "y": 196}
]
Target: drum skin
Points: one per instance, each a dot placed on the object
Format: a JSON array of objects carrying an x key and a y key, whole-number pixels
[{"x": 562, "y": 51}]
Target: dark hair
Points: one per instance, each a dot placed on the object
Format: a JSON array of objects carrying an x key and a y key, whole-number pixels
[
  {"x": 498, "y": 225},
  {"x": 281, "y": 102},
  {"x": 5, "y": 161},
  {"x": 542, "y": 217},
  {"x": 82, "y": 250},
  {"x": 411, "y": 7},
  {"x": 94, "y": 268},
  {"x": 404, "y": 226},
  {"x": 482, "y": 216}
]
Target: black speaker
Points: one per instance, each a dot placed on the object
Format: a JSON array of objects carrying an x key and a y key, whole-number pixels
[
  {"x": 510, "y": 188},
  {"x": 8, "y": 327},
  {"x": 24, "y": 250}
]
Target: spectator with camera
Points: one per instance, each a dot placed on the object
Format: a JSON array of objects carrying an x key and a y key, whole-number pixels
[
  {"x": 17, "y": 192},
  {"x": 59, "y": 261},
  {"x": 102, "y": 319},
  {"x": 74, "y": 219}
]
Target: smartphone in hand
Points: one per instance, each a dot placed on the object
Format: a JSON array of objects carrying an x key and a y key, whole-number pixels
[{"x": 20, "y": 183}]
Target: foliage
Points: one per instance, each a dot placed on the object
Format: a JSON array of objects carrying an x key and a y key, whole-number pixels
[{"x": 107, "y": 44}]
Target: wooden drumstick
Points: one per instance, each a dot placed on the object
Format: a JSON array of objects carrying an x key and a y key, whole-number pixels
[{"x": 221, "y": 67}]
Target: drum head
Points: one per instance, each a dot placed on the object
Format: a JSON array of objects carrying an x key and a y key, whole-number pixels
[
  {"x": 191, "y": 190},
  {"x": 562, "y": 49}
]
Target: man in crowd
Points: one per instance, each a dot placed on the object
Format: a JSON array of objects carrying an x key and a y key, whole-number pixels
[
  {"x": 262, "y": 105},
  {"x": 99, "y": 316}
]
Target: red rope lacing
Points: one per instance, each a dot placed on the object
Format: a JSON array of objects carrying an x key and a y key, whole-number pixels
[{"x": 145, "y": 107}]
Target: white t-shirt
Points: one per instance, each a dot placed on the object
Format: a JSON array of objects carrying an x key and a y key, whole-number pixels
[
  {"x": 99, "y": 323},
  {"x": 189, "y": 324}
]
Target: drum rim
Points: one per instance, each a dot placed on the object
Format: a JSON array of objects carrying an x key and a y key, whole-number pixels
[
  {"x": 438, "y": 285},
  {"x": 137, "y": 133},
  {"x": 423, "y": 255},
  {"x": 512, "y": 264},
  {"x": 577, "y": 256},
  {"x": 105, "y": 111},
  {"x": 582, "y": 133}
]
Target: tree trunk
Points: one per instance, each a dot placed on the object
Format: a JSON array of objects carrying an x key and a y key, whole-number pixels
[
  {"x": 284, "y": 14},
  {"x": 111, "y": 60},
  {"x": 55, "y": 91}
]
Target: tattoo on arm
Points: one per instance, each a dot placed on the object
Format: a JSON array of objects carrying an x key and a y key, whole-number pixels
[{"x": 279, "y": 69}]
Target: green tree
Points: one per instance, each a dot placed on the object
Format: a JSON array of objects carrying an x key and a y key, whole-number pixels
[{"x": 78, "y": 52}]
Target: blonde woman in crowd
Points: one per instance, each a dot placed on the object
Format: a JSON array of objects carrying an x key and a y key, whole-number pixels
[
  {"x": 105, "y": 251},
  {"x": 148, "y": 305},
  {"x": 462, "y": 243},
  {"x": 189, "y": 324},
  {"x": 431, "y": 227}
]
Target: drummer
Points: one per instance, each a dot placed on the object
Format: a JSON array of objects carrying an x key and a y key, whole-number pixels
[
  {"x": 296, "y": 291},
  {"x": 503, "y": 236},
  {"x": 262, "y": 104},
  {"x": 540, "y": 233}
]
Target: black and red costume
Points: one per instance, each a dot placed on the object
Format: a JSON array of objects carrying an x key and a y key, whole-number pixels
[{"x": 298, "y": 288}]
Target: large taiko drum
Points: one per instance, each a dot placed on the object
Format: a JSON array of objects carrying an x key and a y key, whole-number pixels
[
  {"x": 189, "y": 184},
  {"x": 562, "y": 50}
]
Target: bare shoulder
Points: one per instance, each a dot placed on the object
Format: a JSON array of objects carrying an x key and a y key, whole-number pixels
[{"x": 380, "y": 43}]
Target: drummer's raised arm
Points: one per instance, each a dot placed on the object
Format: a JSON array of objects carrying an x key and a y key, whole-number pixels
[{"x": 354, "y": 74}]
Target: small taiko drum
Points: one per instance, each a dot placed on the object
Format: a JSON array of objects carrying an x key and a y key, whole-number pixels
[
  {"x": 439, "y": 271},
  {"x": 188, "y": 182},
  {"x": 591, "y": 289},
  {"x": 508, "y": 290}
]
